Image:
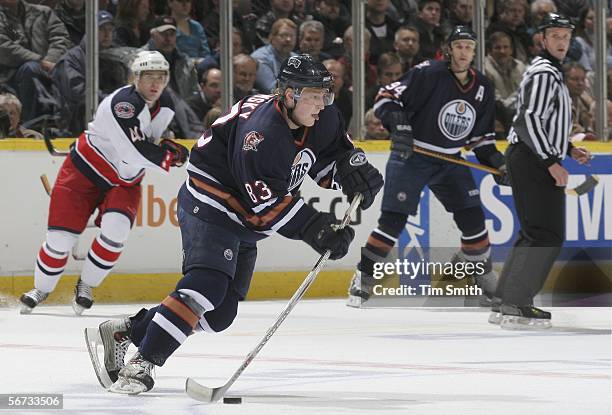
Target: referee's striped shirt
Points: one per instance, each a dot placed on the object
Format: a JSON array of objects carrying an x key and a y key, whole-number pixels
[{"x": 543, "y": 120}]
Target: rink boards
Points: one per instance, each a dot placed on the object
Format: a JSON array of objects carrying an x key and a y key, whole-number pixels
[{"x": 150, "y": 263}]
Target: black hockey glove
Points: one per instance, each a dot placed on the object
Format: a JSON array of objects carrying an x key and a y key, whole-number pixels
[
  {"x": 321, "y": 236},
  {"x": 502, "y": 179},
  {"x": 400, "y": 135},
  {"x": 356, "y": 175},
  {"x": 180, "y": 153}
]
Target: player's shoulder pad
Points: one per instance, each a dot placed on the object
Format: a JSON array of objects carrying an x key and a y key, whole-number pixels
[
  {"x": 166, "y": 101},
  {"x": 127, "y": 103},
  {"x": 328, "y": 116}
]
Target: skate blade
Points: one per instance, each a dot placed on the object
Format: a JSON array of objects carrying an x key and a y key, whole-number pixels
[
  {"x": 78, "y": 309},
  {"x": 495, "y": 317},
  {"x": 127, "y": 387},
  {"x": 93, "y": 340},
  {"x": 523, "y": 323},
  {"x": 354, "y": 301},
  {"x": 25, "y": 309}
]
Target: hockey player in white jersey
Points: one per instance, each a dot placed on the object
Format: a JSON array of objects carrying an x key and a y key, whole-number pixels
[{"x": 104, "y": 170}]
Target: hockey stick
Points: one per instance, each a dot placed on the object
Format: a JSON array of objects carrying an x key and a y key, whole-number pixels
[
  {"x": 584, "y": 187},
  {"x": 45, "y": 183},
  {"x": 52, "y": 150},
  {"x": 206, "y": 394}
]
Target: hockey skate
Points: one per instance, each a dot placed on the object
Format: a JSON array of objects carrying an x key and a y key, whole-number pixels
[
  {"x": 31, "y": 299},
  {"x": 496, "y": 316},
  {"x": 528, "y": 317},
  {"x": 83, "y": 298},
  {"x": 113, "y": 337},
  {"x": 360, "y": 289},
  {"x": 135, "y": 377},
  {"x": 486, "y": 281}
]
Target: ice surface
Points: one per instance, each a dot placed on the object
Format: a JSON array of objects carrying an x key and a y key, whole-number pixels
[{"x": 330, "y": 359}]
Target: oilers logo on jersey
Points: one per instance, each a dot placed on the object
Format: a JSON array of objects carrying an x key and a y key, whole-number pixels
[
  {"x": 302, "y": 163},
  {"x": 457, "y": 119},
  {"x": 252, "y": 140}
]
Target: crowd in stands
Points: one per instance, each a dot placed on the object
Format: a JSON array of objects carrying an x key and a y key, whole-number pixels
[{"x": 43, "y": 53}]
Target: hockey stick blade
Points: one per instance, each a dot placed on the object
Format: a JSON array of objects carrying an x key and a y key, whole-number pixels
[
  {"x": 52, "y": 150},
  {"x": 205, "y": 394},
  {"x": 584, "y": 187},
  {"x": 45, "y": 183}
]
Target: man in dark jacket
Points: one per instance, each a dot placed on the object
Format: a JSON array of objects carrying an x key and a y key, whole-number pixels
[
  {"x": 32, "y": 40},
  {"x": 184, "y": 78},
  {"x": 72, "y": 13},
  {"x": 69, "y": 76}
]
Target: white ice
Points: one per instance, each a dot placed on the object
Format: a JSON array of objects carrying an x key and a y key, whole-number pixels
[{"x": 331, "y": 359}]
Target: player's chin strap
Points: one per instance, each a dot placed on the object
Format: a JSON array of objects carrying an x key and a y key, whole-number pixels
[{"x": 290, "y": 112}]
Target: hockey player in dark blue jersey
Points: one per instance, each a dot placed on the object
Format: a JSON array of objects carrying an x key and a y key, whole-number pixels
[
  {"x": 244, "y": 174},
  {"x": 440, "y": 106}
]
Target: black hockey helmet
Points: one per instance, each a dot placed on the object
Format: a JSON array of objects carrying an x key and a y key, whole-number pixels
[
  {"x": 303, "y": 71},
  {"x": 555, "y": 20},
  {"x": 462, "y": 33}
]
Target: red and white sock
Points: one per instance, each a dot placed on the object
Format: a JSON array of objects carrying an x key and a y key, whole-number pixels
[{"x": 101, "y": 259}]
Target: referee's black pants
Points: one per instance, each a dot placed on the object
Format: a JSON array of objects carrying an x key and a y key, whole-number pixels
[{"x": 540, "y": 206}]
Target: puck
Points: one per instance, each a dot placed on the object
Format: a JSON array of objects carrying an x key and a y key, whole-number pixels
[{"x": 232, "y": 400}]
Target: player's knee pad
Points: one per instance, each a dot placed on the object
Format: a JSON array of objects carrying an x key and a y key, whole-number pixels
[
  {"x": 206, "y": 286},
  {"x": 221, "y": 317},
  {"x": 115, "y": 227},
  {"x": 60, "y": 242},
  {"x": 470, "y": 221},
  {"x": 392, "y": 223}
]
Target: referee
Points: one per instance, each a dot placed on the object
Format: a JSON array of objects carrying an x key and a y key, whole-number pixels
[{"x": 538, "y": 144}]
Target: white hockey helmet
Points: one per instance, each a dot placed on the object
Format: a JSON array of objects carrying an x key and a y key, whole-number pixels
[{"x": 150, "y": 60}]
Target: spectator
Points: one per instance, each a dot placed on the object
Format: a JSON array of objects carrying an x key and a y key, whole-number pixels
[
  {"x": 512, "y": 21},
  {"x": 335, "y": 23},
  {"x": 311, "y": 37},
  {"x": 342, "y": 97},
  {"x": 213, "y": 61},
  {"x": 583, "y": 105},
  {"x": 69, "y": 77},
  {"x": 374, "y": 130},
  {"x": 585, "y": 31},
  {"x": 270, "y": 57},
  {"x": 243, "y": 19},
  {"x": 427, "y": 22},
  {"x": 32, "y": 40},
  {"x": 407, "y": 47},
  {"x": 403, "y": 11},
  {"x": 5, "y": 123},
  {"x": 72, "y": 13},
  {"x": 539, "y": 10},
  {"x": 245, "y": 72},
  {"x": 506, "y": 73},
  {"x": 460, "y": 14},
  {"x": 190, "y": 37},
  {"x": 388, "y": 70},
  {"x": 11, "y": 105},
  {"x": 279, "y": 9},
  {"x": 347, "y": 59},
  {"x": 300, "y": 12},
  {"x": 130, "y": 27},
  {"x": 209, "y": 95},
  {"x": 381, "y": 27},
  {"x": 535, "y": 44},
  {"x": 183, "y": 77}
]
